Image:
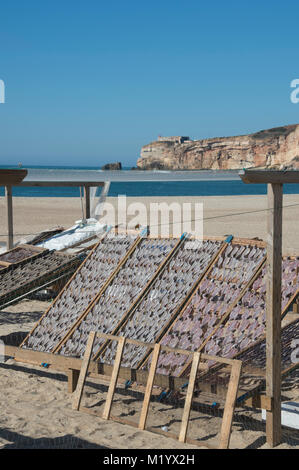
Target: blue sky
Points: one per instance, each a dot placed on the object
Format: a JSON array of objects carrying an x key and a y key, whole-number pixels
[{"x": 91, "y": 82}]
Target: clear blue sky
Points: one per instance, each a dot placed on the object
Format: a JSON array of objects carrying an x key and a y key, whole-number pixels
[{"x": 88, "y": 82}]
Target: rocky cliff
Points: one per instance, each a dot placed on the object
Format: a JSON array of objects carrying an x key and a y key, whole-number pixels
[{"x": 271, "y": 148}]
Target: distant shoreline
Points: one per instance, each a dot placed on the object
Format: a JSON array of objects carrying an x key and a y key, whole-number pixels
[{"x": 203, "y": 188}]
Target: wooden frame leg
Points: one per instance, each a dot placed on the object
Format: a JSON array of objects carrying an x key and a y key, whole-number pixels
[
  {"x": 149, "y": 387},
  {"x": 229, "y": 407},
  {"x": 87, "y": 201},
  {"x": 114, "y": 377},
  {"x": 189, "y": 396},
  {"x": 273, "y": 313},
  {"x": 83, "y": 372},
  {"x": 8, "y": 195}
]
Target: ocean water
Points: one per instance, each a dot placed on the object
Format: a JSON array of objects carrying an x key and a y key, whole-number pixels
[{"x": 210, "y": 183}]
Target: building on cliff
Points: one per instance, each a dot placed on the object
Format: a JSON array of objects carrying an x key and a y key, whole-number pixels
[{"x": 177, "y": 139}]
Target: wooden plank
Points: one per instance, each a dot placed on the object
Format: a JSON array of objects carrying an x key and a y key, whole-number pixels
[
  {"x": 8, "y": 196},
  {"x": 37, "y": 251},
  {"x": 12, "y": 177},
  {"x": 83, "y": 372},
  {"x": 98, "y": 369},
  {"x": 259, "y": 402},
  {"x": 269, "y": 176},
  {"x": 136, "y": 342},
  {"x": 249, "y": 241},
  {"x": 188, "y": 401},
  {"x": 273, "y": 313},
  {"x": 230, "y": 406},
  {"x": 5, "y": 264},
  {"x": 66, "y": 183},
  {"x": 149, "y": 386},
  {"x": 114, "y": 377},
  {"x": 26, "y": 246},
  {"x": 64, "y": 288},
  {"x": 97, "y": 297},
  {"x": 87, "y": 201}
]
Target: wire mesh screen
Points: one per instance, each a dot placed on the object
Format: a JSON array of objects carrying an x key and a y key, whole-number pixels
[
  {"x": 28, "y": 275},
  {"x": 84, "y": 286},
  {"x": 125, "y": 287}
]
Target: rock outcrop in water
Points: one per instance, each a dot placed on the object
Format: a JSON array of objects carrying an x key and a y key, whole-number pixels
[
  {"x": 272, "y": 148},
  {"x": 112, "y": 166}
]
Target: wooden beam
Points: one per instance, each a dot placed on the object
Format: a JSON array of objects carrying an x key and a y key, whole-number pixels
[
  {"x": 87, "y": 201},
  {"x": 114, "y": 377},
  {"x": 149, "y": 387},
  {"x": 97, "y": 369},
  {"x": 12, "y": 177},
  {"x": 230, "y": 405},
  {"x": 269, "y": 176},
  {"x": 273, "y": 313},
  {"x": 259, "y": 402},
  {"x": 188, "y": 401},
  {"x": 67, "y": 183},
  {"x": 8, "y": 195}
]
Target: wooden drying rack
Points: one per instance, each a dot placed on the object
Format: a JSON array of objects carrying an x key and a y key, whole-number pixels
[
  {"x": 130, "y": 312},
  {"x": 157, "y": 347},
  {"x": 74, "y": 365},
  {"x": 35, "y": 249}
]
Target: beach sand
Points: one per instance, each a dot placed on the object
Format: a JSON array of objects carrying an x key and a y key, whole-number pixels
[
  {"x": 36, "y": 408},
  {"x": 35, "y": 404}
]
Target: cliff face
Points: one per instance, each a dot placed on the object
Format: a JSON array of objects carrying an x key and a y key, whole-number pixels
[{"x": 272, "y": 148}]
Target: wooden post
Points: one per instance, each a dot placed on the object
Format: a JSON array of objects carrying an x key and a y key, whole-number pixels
[
  {"x": 8, "y": 195},
  {"x": 229, "y": 407},
  {"x": 114, "y": 377},
  {"x": 149, "y": 387},
  {"x": 273, "y": 313},
  {"x": 87, "y": 201},
  {"x": 188, "y": 401}
]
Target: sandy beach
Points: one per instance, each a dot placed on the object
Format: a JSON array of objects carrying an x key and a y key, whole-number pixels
[
  {"x": 241, "y": 216},
  {"x": 32, "y": 393}
]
